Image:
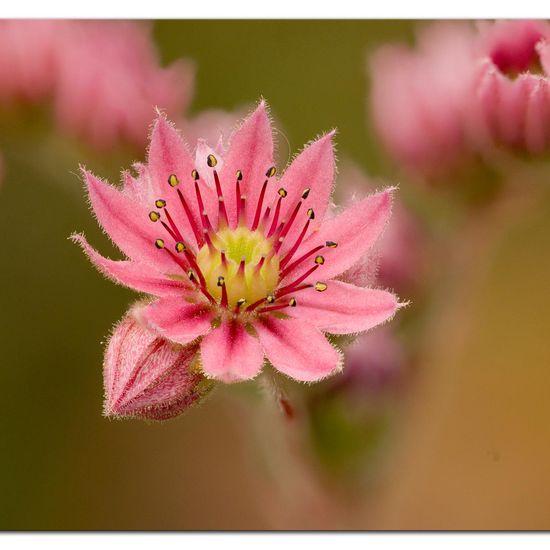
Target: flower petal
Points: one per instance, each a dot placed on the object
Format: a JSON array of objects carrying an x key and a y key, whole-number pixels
[
  {"x": 355, "y": 230},
  {"x": 178, "y": 320},
  {"x": 251, "y": 151},
  {"x": 343, "y": 308},
  {"x": 127, "y": 223},
  {"x": 169, "y": 155},
  {"x": 297, "y": 349},
  {"x": 230, "y": 354},
  {"x": 313, "y": 168},
  {"x": 133, "y": 274}
]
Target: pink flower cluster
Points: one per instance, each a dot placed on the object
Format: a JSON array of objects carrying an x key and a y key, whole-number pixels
[
  {"x": 244, "y": 265},
  {"x": 103, "y": 77},
  {"x": 463, "y": 92}
]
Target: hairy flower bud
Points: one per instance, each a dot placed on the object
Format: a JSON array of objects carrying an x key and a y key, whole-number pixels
[{"x": 147, "y": 376}]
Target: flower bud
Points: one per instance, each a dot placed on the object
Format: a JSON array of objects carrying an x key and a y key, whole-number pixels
[{"x": 147, "y": 376}]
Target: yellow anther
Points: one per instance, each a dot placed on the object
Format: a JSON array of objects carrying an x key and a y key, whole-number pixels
[
  {"x": 241, "y": 302},
  {"x": 159, "y": 243},
  {"x": 271, "y": 172},
  {"x": 320, "y": 287},
  {"x": 154, "y": 216},
  {"x": 191, "y": 275},
  {"x": 195, "y": 174},
  {"x": 270, "y": 299},
  {"x": 311, "y": 214},
  {"x": 160, "y": 203},
  {"x": 221, "y": 280},
  {"x": 282, "y": 192},
  {"x": 319, "y": 260},
  {"x": 292, "y": 302},
  {"x": 331, "y": 244},
  {"x": 180, "y": 247},
  {"x": 239, "y": 175},
  {"x": 305, "y": 193},
  {"x": 211, "y": 160},
  {"x": 173, "y": 180}
]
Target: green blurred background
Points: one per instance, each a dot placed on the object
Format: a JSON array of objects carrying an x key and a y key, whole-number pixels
[{"x": 472, "y": 448}]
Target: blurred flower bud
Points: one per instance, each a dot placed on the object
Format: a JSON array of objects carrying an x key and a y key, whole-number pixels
[{"x": 146, "y": 376}]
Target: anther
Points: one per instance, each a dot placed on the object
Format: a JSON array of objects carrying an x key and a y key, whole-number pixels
[
  {"x": 331, "y": 244},
  {"x": 305, "y": 193},
  {"x": 159, "y": 243},
  {"x": 191, "y": 275},
  {"x": 311, "y": 214},
  {"x": 239, "y": 175},
  {"x": 154, "y": 216},
  {"x": 211, "y": 161},
  {"x": 282, "y": 192},
  {"x": 180, "y": 247},
  {"x": 195, "y": 174},
  {"x": 241, "y": 302},
  {"x": 271, "y": 172},
  {"x": 270, "y": 299},
  {"x": 319, "y": 260},
  {"x": 160, "y": 203},
  {"x": 320, "y": 287},
  {"x": 221, "y": 280},
  {"x": 173, "y": 180},
  {"x": 292, "y": 302}
]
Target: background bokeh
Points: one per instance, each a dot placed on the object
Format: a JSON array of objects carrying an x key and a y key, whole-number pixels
[{"x": 471, "y": 446}]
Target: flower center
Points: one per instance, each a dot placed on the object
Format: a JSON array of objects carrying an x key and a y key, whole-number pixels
[{"x": 240, "y": 261}]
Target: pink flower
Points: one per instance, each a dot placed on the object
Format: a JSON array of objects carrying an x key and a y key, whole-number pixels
[
  {"x": 462, "y": 93},
  {"x": 148, "y": 377},
  {"x": 109, "y": 81},
  {"x": 242, "y": 262},
  {"x": 417, "y": 97},
  {"x": 103, "y": 77}
]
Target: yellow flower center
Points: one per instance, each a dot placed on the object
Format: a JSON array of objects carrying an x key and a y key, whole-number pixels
[{"x": 242, "y": 260}]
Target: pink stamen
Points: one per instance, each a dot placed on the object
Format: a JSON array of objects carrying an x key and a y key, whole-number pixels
[
  {"x": 273, "y": 308},
  {"x": 191, "y": 218},
  {"x": 297, "y": 262},
  {"x": 259, "y": 207},
  {"x": 169, "y": 231},
  {"x": 291, "y": 287},
  {"x": 297, "y": 244},
  {"x": 240, "y": 210},
  {"x": 201, "y": 207},
  {"x": 221, "y": 204},
  {"x": 291, "y": 220},
  {"x": 253, "y": 306},
  {"x": 173, "y": 225},
  {"x": 259, "y": 265},
  {"x": 275, "y": 217},
  {"x": 224, "y": 300}
]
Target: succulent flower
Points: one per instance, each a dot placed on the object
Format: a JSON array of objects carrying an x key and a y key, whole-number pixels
[{"x": 243, "y": 263}]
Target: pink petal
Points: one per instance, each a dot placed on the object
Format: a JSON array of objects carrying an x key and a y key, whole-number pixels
[
  {"x": 297, "y": 348},
  {"x": 127, "y": 224},
  {"x": 178, "y": 320},
  {"x": 134, "y": 275},
  {"x": 251, "y": 151},
  {"x": 229, "y": 353},
  {"x": 169, "y": 155},
  {"x": 355, "y": 230},
  {"x": 343, "y": 308},
  {"x": 537, "y": 118},
  {"x": 313, "y": 168}
]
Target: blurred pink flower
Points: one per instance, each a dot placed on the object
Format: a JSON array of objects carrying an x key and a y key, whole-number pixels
[
  {"x": 417, "y": 98},
  {"x": 463, "y": 92},
  {"x": 103, "y": 77},
  {"x": 146, "y": 376},
  {"x": 242, "y": 261}
]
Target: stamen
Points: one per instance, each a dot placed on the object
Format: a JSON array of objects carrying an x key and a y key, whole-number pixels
[
  {"x": 170, "y": 231},
  {"x": 160, "y": 203},
  {"x": 282, "y": 194},
  {"x": 253, "y": 306},
  {"x": 195, "y": 174},
  {"x": 310, "y": 214},
  {"x": 221, "y": 282},
  {"x": 291, "y": 303},
  {"x": 291, "y": 287},
  {"x": 211, "y": 161},
  {"x": 287, "y": 226},
  {"x": 200, "y": 204},
  {"x": 331, "y": 244},
  {"x": 238, "y": 305},
  {"x": 180, "y": 247},
  {"x": 305, "y": 193},
  {"x": 270, "y": 298},
  {"x": 190, "y": 217},
  {"x": 159, "y": 243},
  {"x": 320, "y": 287},
  {"x": 173, "y": 226},
  {"x": 271, "y": 172},
  {"x": 173, "y": 180},
  {"x": 259, "y": 265},
  {"x": 297, "y": 262},
  {"x": 296, "y": 245},
  {"x": 240, "y": 212},
  {"x": 320, "y": 260},
  {"x": 154, "y": 216},
  {"x": 259, "y": 207},
  {"x": 222, "y": 213}
]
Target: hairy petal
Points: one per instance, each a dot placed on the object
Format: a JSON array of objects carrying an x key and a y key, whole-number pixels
[
  {"x": 229, "y": 353},
  {"x": 297, "y": 348},
  {"x": 178, "y": 320},
  {"x": 127, "y": 223},
  {"x": 313, "y": 168},
  {"x": 133, "y": 274},
  {"x": 251, "y": 151},
  {"x": 355, "y": 230},
  {"x": 343, "y": 308}
]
